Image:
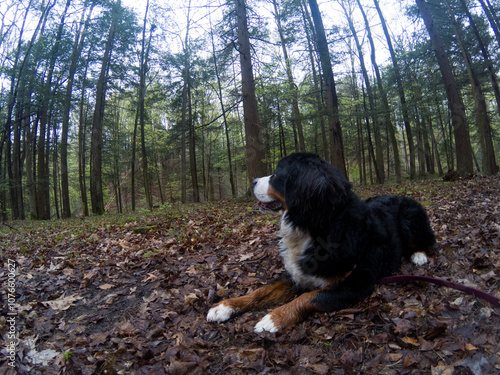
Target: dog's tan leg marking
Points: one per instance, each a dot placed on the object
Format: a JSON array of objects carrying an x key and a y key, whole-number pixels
[
  {"x": 289, "y": 314},
  {"x": 276, "y": 293}
]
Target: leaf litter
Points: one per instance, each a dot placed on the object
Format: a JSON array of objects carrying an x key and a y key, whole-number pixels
[{"x": 99, "y": 296}]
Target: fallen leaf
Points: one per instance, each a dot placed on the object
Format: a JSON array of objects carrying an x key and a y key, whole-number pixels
[
  {"x": 62, "y": 303},
  {"x": 394, "y": 357},
  {"x": 244, "y": 257},
  {"x": 190, "y": 298},
  {"x": 402, "y": 326},
  {"x": 409, "y": 360},
  {"x": 43, "y": 357},
  {"x": 106, "y": 286},
  {"x": 150, "y": 277},
  {"x": 470, "y": 347},
  {"x": 410, "y": 341}
]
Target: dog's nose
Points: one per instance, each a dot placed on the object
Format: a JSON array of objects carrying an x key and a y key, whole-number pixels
[{"x": 254, "y": 182}]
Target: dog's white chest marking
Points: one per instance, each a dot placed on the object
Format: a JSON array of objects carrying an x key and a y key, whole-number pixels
[{"x": 292, "y": 244}]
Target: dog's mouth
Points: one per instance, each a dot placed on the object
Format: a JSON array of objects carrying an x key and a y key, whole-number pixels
[{"x": 273, "y": 206}]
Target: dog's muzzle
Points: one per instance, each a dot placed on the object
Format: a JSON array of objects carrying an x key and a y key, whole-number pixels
[{"x": 260, "y": 190}]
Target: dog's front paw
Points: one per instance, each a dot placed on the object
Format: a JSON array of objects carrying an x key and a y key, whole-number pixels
[
  {"x": 419, "y": 258},
  {"x": 266, "y": 324},
  {"x": 220, "y": 313}
]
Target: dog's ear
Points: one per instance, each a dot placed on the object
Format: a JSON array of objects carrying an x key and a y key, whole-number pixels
[{"x": 315, "y": 195}]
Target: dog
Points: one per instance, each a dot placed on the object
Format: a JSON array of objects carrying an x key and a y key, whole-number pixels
[{"x": 335, "y": 246}]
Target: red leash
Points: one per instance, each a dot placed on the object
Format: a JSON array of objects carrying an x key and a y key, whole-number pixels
[{"x": 467, "y": 289}]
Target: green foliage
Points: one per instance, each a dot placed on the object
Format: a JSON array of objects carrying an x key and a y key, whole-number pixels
[{"x": 66, "y": 354}]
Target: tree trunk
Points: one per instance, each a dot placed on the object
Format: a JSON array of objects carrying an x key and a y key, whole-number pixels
[
  {"x": 82, "y": 131},
  {"x": 12, "y": 184},
  {"x": 293, "y": 87},
  {"x": 435, "y": 151},
  {"x": 336, "y": 146},
  {"x": 463, "y": 148},
  {"x": 192, "y": 143},
  {"x": 401, "y": 92},
  {"x": 427, "y": 127},
  {"x": 420, "y": 144},
  {"x": 96, "y": 188},
  {"x": 201, "y": 143},
  {"x": 29, "y": 143},
  {"x": 485, "y": 53},
  {"x": 495, "y": 26},
  {"x": 186, "y": 111},
  {"x": 142, "y": 114},
  {"x": 55, "y": 182},
  {"x": 255, "y": 152},
  {"x": 489, "y": 165},
  {"x": 224, "y": 116},
  {"x": 447, "y": 149},
  {"x": 132, "y": 163},
  {"x": 183, "y": 144},
  {"x": 75, "y": 56},
  {"x": 371, "y": 152},
  {"x": 28, "y": 140},
  {"x": 358, "y": 113},
  {"x": 387, "y": 110},
  {"x": 309, "y": 27},
  {"x": 43, "y": 180},
  {"x": 281, "y": 130},
  {"x": 16, "y": 167},
  {"x": 423, "y": 125},
  {"x": 379, "y": 157},
  {"x": 16, "y": 77}
]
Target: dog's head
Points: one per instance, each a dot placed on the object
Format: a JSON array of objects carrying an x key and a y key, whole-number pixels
[{"x": 307, "y": 187}]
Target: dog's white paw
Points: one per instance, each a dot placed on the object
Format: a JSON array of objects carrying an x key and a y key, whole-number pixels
[
  {"x": 220, "y": 313},
  {"x": 419, "y": 258},
  {"x": 266, "y": 324}
]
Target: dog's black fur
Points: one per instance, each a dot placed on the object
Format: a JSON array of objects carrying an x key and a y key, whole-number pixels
[{"x": 353, "y": 240}]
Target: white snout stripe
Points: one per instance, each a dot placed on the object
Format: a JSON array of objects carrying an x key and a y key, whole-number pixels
[{"x": 260, "y": 189}]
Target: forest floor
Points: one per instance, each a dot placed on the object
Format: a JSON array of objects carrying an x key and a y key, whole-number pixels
[{"x": 129, "y": 294}]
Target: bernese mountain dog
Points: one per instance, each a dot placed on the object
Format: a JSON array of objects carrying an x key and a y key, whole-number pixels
[{"x": 335, "y": 246}]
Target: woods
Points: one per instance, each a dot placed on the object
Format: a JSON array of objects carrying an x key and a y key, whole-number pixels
[{"x": 115, "y": 106}]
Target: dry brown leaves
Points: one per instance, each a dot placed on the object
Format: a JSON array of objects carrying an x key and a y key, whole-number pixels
[{"x": 130, "y": 295}]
